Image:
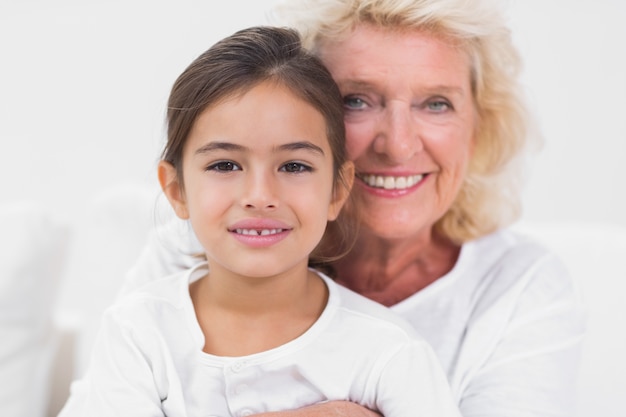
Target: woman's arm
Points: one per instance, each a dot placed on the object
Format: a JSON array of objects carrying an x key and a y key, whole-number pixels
[
  {"x": 531, "y": 346},
  {"x": 409, "y": 382},
  {"x": 327, "y": 409}
]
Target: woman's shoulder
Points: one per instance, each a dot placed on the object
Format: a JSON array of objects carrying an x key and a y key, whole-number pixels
[
  {"x": 509, "y": 265},
  {"x": 171, "y": 247},
  {"x": 510, "y": 253},
  {"x": 510, "y": 243}
]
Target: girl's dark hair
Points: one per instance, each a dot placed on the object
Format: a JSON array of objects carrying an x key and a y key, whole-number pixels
[{"x": 238, "y": 63}]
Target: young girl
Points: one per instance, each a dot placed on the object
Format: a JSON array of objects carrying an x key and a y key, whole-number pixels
[{"x": 255, "y": 160}]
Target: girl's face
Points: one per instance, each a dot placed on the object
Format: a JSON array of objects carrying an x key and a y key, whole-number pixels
[
  {"x": 258, "y": 182},
  {"x": 410, "y": 122}
]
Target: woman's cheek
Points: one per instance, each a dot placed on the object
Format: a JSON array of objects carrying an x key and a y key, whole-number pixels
[{"x": 358, "y": 138}]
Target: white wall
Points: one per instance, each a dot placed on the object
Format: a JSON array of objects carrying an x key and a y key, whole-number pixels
[
  {"x": 576, "y": 76},
  {"x": 83, "y": 86}
]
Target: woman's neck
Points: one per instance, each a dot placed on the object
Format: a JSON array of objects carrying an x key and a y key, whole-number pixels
[
  {"x": 244, "y": 315},
  {"x": 389, "y": 271}
]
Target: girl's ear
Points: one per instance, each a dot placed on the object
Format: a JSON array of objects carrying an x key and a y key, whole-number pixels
[
  {"x": 172, "y": 188},
  {"x": 342, "y": 190}
]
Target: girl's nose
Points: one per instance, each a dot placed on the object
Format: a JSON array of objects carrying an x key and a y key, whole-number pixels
[
  {"x": 260, "y": 192},
  {"x": 398, "y": 138}
]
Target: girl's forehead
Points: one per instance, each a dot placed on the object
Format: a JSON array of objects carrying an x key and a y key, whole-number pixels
[{"x": 265, "y": 117}]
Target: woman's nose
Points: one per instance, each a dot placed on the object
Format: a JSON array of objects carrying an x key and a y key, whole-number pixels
[
  {"x": 398, "y": 138},
  {"x": 260, "y": 192}
]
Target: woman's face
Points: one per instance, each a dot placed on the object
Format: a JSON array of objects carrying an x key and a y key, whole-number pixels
[{"x": 410, "y": 122}]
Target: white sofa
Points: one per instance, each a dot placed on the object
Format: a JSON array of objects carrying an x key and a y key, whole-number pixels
[{"x": 57, "y": 278}]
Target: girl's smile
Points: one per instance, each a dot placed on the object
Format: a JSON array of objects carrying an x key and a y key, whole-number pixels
[{"x": 258, "y": 233}]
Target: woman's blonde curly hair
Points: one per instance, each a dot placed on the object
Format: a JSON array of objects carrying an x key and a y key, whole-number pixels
[{"x": 490, "y": 197}]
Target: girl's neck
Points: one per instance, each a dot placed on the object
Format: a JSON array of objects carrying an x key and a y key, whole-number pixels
[
  {"x": 244, "y": 315},
  {"x": 389, "y": 271}
]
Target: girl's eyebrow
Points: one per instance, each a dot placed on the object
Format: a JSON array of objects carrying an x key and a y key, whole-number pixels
[
  {"x": 228, "y": 146},
  {"x": 214, "y": 146},
  {"x": 301, "y": 145}
]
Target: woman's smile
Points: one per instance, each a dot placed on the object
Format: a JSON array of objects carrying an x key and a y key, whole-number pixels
[{"x": 390, "y": 182}]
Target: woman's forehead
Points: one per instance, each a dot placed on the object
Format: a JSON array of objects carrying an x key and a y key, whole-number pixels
[{"x": 371, "y": 55}]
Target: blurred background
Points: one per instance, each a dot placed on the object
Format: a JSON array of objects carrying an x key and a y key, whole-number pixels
[{"x": 83, "y": 86}]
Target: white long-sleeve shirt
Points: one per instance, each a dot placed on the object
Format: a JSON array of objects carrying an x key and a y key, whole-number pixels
[
  {"x": 506, "y": 322},
  {"x": 148, "y": 362}
]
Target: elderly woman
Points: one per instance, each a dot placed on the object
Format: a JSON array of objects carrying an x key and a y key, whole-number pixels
[{"x": 437, "y": 128}]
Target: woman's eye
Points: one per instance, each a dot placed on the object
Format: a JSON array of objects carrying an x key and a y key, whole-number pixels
[
  {"x": 438, "y": 106},
  {"x": 354, "y": 103},
  {"x": 224, "y": 166},
  {"x": 295, "y": 167}
]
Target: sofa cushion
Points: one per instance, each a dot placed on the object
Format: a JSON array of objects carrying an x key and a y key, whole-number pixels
[{"x": 32, "y": 248}]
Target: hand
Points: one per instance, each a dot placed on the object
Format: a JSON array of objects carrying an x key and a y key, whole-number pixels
[{"x": 327, "y": 409}]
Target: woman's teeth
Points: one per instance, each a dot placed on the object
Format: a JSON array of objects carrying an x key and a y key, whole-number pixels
[
  {"x": 255, "y": 232},
  {"x": 391, "y": 183}
]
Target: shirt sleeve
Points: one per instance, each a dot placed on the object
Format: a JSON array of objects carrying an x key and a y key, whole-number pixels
[
  {"x": 171, "y": 248},
  {"x": 530, "y": 337},
  {"x": 413, "y": 384},
  {"x": 119, "y": 381}
]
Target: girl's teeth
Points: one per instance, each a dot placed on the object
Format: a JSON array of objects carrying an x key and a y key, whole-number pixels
[
  {"x": 255, "y": 232},
  {"x": 391, "y": 183}
]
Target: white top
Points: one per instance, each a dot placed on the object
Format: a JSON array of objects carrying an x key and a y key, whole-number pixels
[
  {"x": 506, "y": 323},
  {"x": 148, "y": 361}
]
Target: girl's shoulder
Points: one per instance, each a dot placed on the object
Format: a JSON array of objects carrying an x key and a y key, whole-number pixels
[
  {"x": 364, "y": 313},
  {"x": 162, "y": 296}
]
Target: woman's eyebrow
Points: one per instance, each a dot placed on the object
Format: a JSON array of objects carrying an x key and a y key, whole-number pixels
[
  {"x": 355, "y": 84},
  {"x": 428, "y": 89},
  {"x": 445, "y": 89}
]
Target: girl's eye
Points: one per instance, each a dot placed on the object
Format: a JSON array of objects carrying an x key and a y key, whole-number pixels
[
  {"x": 295, "y": 167},
  {"x": 224, "y": 166},
  {"x": 354, "y": 103}
]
